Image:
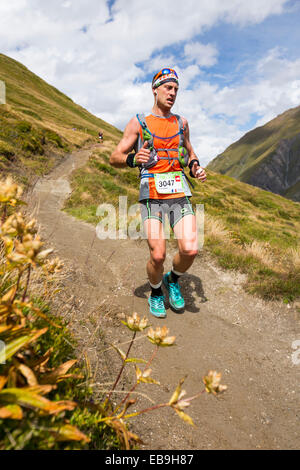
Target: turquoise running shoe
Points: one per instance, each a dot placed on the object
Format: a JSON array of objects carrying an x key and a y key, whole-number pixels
[
  {"x": 157, "y": 306},
  {"x": 175, "y": 297}
]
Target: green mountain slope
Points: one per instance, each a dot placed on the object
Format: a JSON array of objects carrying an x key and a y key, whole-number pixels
[
  {"x": 267, "y": 157},
  {"x": 38, "y": 123}
]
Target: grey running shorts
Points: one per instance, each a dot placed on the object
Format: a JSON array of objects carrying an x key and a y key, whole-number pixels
[{"x": 175, "y": 209}]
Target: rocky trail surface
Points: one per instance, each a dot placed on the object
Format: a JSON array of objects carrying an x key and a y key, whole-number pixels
[{"x": 222, "y": 328}]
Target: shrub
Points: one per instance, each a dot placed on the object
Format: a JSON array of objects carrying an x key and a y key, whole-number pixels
[
  {"x": 24, "y": 127},
  {"x": 54, "y": 138},
  {"x": 7, "y": 150},
  {"x": 32, "y": 145}
]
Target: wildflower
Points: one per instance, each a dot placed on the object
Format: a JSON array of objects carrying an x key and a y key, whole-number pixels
[
  {"x": 134, "y": 323},
  {"x": 212, "y": 383},
  {"x": 160, "y": 336},
  {"x": 28, "y": 251},
  {"x": 10, "y": 192},
  {"x": 15, "y": 225},
  {"x": 179, "y": 404},
  {"x": 144, "y": 376}
]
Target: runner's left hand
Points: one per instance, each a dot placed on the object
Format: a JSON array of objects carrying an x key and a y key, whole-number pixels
[{"x": 199, "y": 172}]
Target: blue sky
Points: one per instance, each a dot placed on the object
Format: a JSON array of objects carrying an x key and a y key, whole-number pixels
[
  {"x": 238, "y": 44},
  {"x": 238, "y": 61}
]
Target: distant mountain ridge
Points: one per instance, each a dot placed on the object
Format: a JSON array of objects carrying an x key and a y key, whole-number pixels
[{"x": 267, "y": 157}]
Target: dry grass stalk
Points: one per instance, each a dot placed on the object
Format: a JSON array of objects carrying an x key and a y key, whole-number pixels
[
  {"x": 215, "y": 228},
  {"x": 260, "y": 251},
  {"x": 294, "y": 256}
]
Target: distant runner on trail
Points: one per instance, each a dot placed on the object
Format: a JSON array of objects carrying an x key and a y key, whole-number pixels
[{"x": 162, "y": 148}]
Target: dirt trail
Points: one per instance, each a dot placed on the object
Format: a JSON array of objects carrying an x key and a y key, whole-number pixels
[{"x": 222, "y": 328}]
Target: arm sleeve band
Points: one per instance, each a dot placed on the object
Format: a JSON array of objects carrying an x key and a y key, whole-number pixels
[
  {"x": 130, "y": 160},
  {"x": 191, "y": 166}
]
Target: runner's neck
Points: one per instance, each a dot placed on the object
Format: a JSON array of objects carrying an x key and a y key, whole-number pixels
[
  {"x": 158, "y": 112},
  {"x": 162, "y": 117}
]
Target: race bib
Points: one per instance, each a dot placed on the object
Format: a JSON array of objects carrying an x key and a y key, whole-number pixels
[{"x": 168, "y": 183}]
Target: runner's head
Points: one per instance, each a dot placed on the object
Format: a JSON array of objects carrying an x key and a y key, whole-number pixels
[
  {"x": 165, "y": 86},
  {"x": 164, "y": 76}
]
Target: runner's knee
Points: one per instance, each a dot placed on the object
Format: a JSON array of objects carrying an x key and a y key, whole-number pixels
[
  {"x": 158, "y": 258},
  {"x": 189, "y": 253}
]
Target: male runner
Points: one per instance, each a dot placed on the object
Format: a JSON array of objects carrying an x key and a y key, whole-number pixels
[{"x": 162, "y": 147}]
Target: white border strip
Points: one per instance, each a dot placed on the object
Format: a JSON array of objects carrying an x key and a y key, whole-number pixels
[{"x": 2, "y": 92}]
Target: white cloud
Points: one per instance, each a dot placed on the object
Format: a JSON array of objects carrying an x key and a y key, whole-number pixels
[
  {"x": 271, "y": 88},
  {"x": 91, "y": 54},
  {"x": 253, "y": 11},
  {"x": 205, "y": 55}
]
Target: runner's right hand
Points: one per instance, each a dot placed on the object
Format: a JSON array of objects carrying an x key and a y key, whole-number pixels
[
  {"x": 143, "y": 154},
  {"x": 199, "y": 172}
]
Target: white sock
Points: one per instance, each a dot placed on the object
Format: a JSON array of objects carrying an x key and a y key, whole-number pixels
[
  {"x": 176, "y": 272},
  {"x": 155, "y": 286}
]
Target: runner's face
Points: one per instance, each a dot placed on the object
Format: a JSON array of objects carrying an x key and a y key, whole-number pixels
[{"x": 166, "y": 94}]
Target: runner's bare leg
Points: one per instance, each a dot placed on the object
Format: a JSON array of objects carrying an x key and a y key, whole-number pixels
[
  {"x": 186, "y": 233},
  {"x": 157, "y": 246}
]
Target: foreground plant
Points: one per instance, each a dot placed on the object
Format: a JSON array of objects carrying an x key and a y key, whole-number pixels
[
  {"x": 159, "y": 337},
  {"x": 10, "y": 194},
  {"x": 25, "y": 376}
]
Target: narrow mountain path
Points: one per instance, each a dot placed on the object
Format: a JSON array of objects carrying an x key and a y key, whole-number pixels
[{"x": 222, "y": 328}]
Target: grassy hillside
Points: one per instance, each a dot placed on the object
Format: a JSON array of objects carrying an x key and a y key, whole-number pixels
[
  {"x": 246, "y": 228},
  {"x": 244, "y": 159},
  {"x": 39, "y": 124}
]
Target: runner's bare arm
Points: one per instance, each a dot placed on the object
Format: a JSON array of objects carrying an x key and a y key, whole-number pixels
[
  {"x": 126, "y": 144},
  {"x": 187, "y": 142},
  {"x": 201, "y": 175}
]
